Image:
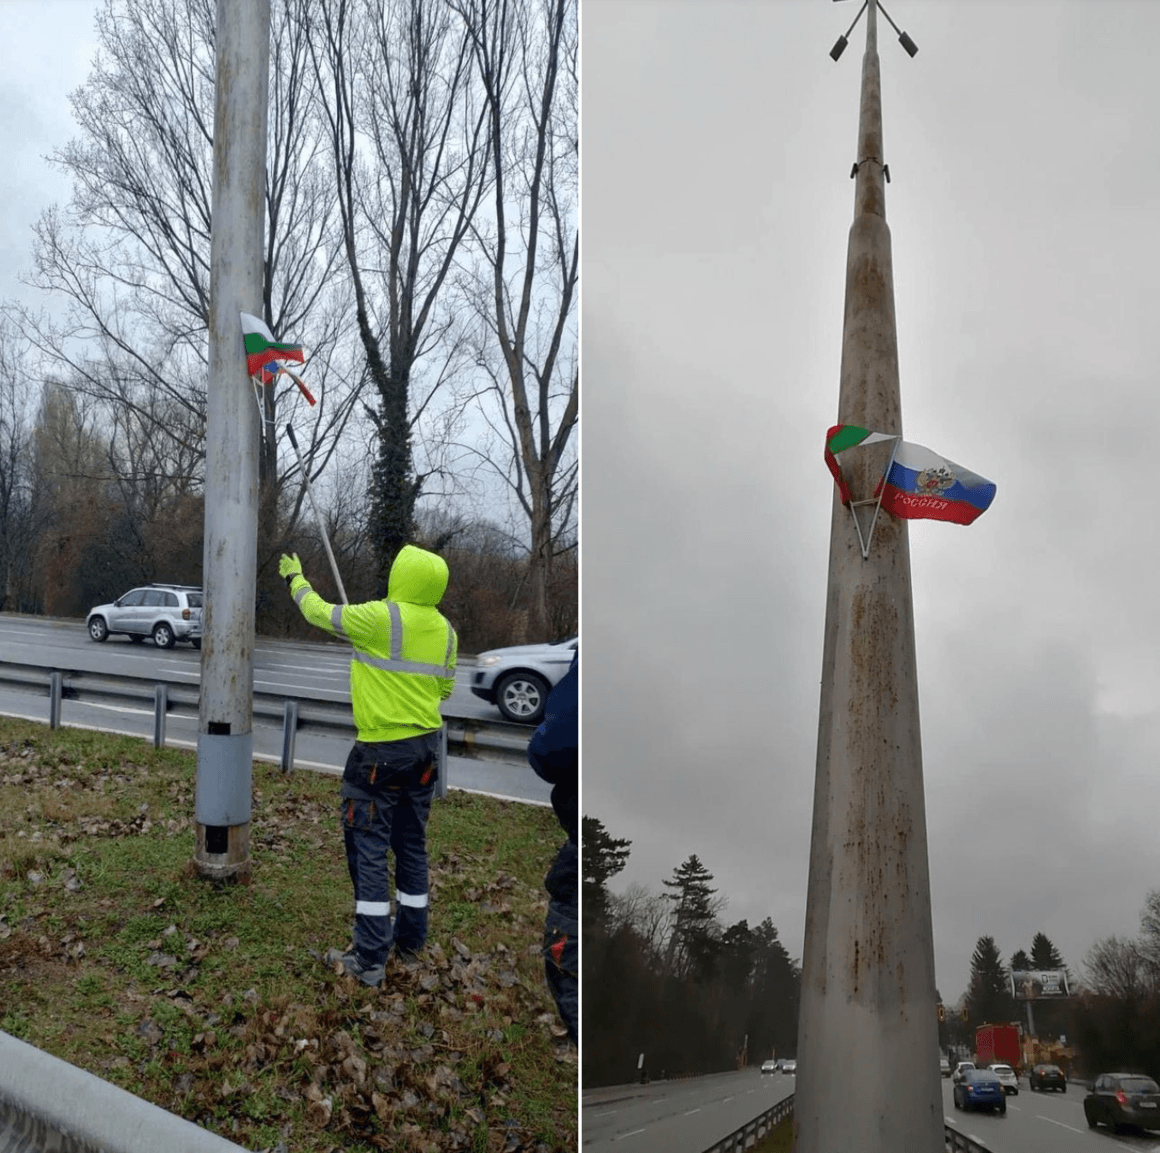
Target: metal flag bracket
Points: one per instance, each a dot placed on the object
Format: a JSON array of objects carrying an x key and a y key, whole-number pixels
[{"x": 865, "y": 539}]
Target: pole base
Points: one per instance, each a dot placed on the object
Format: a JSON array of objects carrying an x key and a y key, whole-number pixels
[{"x": 231, "y": 859}]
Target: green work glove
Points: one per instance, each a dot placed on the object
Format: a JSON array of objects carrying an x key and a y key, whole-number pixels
[{"x": 289, "y": 567}]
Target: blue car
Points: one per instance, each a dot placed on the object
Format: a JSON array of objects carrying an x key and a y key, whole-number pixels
[{"x": 980, "y": 1089}]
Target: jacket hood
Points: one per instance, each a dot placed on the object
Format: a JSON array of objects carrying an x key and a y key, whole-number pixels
[{"x": 417, "y": 577}]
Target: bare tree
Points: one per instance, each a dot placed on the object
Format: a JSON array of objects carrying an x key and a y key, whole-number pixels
[
  {"x": 131, "y": 256},
  {"x": 650, "y": 915},
  {"x": 1116, "y": 967},
  {"x": 72, "y": 483},
  {"x": 526, "y": 58},
  {"x": 410, "y": 166},
  {"x": 21, "y": 509}
]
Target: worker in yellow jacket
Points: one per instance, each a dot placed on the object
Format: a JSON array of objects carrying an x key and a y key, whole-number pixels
[{"x": 402, "y": 669}]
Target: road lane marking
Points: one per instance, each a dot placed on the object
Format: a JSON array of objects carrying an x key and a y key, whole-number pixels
[
  {"x": 606, "y": 1113},
  {"x": 296, "y": 686},
  {"x": 118, "y": 708},
  {"x": 633, "y": 1133},
  {"x": 692, "y": 1111},
  {"x": 724, "y": 1099},
  {"x": 1040, "y": 1117}
]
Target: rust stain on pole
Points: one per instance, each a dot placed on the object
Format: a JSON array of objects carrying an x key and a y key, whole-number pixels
[{"x": 868, "y": 1034}]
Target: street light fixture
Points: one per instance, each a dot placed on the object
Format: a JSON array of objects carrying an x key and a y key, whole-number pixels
[
  {"x": 840, "y": 46},
  {"x": 903, "y": 39}
]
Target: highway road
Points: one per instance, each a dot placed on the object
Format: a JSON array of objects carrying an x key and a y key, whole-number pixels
[
  {"x": 690, "y": 1116},
  {"x": 309, "y": 670},
  {"x": 1043, "y": 1123},
  {"x": 677, "y": 1116}
]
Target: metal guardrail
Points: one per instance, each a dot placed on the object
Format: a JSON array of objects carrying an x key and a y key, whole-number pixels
[
  {"x": 50, "y": 1106},
  {"x": 498, "y": 741},
  {"x": 760, "y": 1128},
  {"x": 960, "y": 1143},
  {"x": 757, "y": 1129}
]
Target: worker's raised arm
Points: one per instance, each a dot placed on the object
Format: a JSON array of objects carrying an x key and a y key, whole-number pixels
[{"x": 317, "y": 612}]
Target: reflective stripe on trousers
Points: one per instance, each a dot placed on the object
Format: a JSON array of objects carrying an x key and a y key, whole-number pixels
[{"x": 389, "y": 812}]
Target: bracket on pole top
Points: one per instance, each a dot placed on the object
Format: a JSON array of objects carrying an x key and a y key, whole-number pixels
[{"x": 903, "y": 39}]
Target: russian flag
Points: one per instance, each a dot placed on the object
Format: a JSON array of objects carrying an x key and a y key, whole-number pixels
[{"x": 921, "y": 485}]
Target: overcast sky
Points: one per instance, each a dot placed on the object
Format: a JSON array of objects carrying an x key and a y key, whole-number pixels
[
  {"x": 1025, "y": 214},
  {"x": 45, "y": 54}
]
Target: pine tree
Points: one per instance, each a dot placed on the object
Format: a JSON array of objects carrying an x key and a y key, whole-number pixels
[
  {"x": 1020, "y": 962},
  {"x": 776, "y": 995},
  {"x": 738, "y": 946},
  {"x": 1044, "y": 955},
  {"x": 602, "y": 857},
  {"x": 989, "y": 993},
  {"x": 693, "y": 943}
]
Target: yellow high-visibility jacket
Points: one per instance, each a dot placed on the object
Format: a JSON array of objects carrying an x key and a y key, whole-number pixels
[{"x": 404, "y": 648}]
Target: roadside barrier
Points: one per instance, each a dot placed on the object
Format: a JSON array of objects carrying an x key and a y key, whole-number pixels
[
  {"x": 757, "y": 1129},
  {"x": 760, "y": 1127},
  {"x": 498, "y": 741},
  {"x": 50, "y": 1106}
]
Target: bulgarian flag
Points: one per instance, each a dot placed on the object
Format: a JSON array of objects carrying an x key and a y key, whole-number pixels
[
  {"x": 919, "y": 484},
  {"x": 264, "y": 353},
  {"x": 842, "y": 437}
]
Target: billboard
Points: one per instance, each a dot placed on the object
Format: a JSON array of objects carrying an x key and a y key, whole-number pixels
[{"x": 1031, "y": 984}]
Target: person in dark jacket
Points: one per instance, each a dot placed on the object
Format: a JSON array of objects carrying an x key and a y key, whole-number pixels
[{"x": 554, "y": 753}]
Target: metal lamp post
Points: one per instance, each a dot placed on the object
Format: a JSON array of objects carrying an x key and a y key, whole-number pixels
[
  {"x": 225, "y": 738},
  {"x": 868, "y": 1078}
]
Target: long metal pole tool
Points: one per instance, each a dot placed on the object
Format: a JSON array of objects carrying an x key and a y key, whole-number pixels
[{"x": 317, "y": 514}]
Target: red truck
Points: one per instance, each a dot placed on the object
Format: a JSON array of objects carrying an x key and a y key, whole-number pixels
[{"x": 997, "y": 1045}]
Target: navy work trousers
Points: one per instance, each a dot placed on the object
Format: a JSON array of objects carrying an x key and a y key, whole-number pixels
[
  {"x": 561, "y": 933},
  {"x": 386, "y": 799}
]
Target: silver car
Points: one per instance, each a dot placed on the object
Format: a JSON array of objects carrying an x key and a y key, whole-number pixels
[
  {"x": 167, "y": 613},
  {"x": 517, "y": 679}
]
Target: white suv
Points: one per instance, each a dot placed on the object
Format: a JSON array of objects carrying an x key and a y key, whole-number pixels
[
  {"x": 517, "y": 679},
  {"x": 167, "y": 613}
]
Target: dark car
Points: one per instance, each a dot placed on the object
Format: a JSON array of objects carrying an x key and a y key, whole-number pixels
[
  {"x": 980, "y": 1089},
  {"x": 1117, "y": 1099},
  {"x": 1047, "y": 1077}
]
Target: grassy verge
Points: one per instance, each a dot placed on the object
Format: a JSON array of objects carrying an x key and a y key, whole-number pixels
[{"x": 210, "y": 1000}]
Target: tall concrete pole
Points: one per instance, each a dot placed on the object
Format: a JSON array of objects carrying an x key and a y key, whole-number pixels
[
  {"x": 868, "y": 1079},
  {"x": 225, "y": 739}
]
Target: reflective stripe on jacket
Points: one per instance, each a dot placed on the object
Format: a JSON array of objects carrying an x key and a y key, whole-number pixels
[{"x": 405, "y": 650}]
